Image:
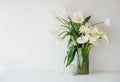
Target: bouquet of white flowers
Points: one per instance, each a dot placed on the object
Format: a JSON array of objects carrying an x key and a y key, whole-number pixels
[{"x": 82, "y": 35}]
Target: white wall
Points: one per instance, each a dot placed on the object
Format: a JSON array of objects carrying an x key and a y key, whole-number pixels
[{"x": 23, "y": 47}]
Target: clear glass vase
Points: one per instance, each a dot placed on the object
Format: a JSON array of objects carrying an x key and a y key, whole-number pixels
[{"x": 84, "y": 69}]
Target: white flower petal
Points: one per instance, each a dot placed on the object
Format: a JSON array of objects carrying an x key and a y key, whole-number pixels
[
  {"x": 96, "y": 32},
  {"x": 92, "y": 38},
  {"x": 88, "y": 25},
  {"x": 78, "y": 17},
  {"x": 94, "y": 43},
  {"x": 108, "y": 22},
  {"x": 77, "y": 14},
  {"x": 82, "y": 29},
  {"x": 82, "y": 39},
  {"x": 106, "y": 38},
  {"x": 85, "y": 29}
]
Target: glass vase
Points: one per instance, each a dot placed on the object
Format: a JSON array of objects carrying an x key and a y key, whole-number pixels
[{"x": 84, "y": 69}]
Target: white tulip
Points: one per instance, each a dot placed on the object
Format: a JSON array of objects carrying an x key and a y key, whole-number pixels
[
  {"x": 108, "y": 22},
  {"x": 85, "y": 29},
  {"x": 96, "y": 32},
  {"x": 82, "y": 39},
  {"x": 106, "y": 38},
  {"x": 92, "y": 38},
  {"x": 78, "y": 17},
  {"x": 88, "y": 25},
  {"x": 82, "y": 29}
]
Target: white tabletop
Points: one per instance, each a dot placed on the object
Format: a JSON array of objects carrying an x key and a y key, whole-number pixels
[{"x": 37, "y": 76}]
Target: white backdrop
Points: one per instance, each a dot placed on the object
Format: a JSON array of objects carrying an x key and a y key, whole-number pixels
[{"x": 23, "y": 47}]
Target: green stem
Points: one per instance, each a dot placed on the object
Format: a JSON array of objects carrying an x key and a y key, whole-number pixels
[
  {"x": 97, "y": 23},
  {"x": 75, "y": 42},
  {"x": 83, "y": 46},
  {"x": 86, "y": 46},
  {"x": 89, "y": 47}
]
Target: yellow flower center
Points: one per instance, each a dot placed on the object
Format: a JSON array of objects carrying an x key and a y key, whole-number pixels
[{"x": 79, "y": 19}]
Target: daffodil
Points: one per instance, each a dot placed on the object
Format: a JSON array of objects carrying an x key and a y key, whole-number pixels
[
  {"x": 108, "y": 22},
  {"x": 82, "y": 39},
  {"x": 78, "y": 17}
]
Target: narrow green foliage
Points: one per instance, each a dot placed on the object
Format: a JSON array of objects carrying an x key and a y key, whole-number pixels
[
  {"x": 86, "y": 20},
  {"x": 70, "y": 55},
  {"x": 69, "y": 43},
  {"x": 74, "y": 27},
  {"x": 62, "y": 33},
  {"x": 66, "y": 34}
]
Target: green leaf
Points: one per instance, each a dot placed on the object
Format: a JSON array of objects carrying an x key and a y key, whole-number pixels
[
  {"x": 68, "y": 25},
  {"x": 65, "y": 26},
  {"x": 86, "y": 20},
  {"x": 80, "y": 57},
  {"x": 74, "y": 26},
  {"x": 70, "y": 55},
  {"x": 89, "y": 47},
  {"x": 65, "y": 58},
  {"x": 67, "y": 22},
  {"x": 63, "y": 22},
  {"x": 66, "y": 34},
  {"x": 69, "y": 43},
  {"x": 62, "y": 33}
]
